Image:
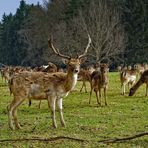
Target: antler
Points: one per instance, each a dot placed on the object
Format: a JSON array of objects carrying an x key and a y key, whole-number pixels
[
  {"x": 87, "y": 47},
  {"x": 56, "y": 50}
]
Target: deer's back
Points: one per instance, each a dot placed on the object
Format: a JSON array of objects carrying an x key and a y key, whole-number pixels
[{"x": 36, "y": 84}]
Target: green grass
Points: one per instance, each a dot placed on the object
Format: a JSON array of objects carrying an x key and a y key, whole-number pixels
[{"x": 124, "y": 116}]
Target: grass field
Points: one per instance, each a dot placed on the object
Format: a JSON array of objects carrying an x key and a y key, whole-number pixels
[{"x": 86, "y": 124}]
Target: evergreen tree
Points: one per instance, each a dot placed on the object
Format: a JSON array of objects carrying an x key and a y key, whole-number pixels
[{"x": 136, "y": 24}]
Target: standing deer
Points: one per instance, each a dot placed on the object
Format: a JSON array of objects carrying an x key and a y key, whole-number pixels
[
  {"x": 50, "y": 68},
  {"x": 143, "y": 79},
  {"x": 127, "y": 76},
  {"x": 99, "y": 79},
  {"x": 84, "y": 76},
  {"x": 40, "y": 85}
]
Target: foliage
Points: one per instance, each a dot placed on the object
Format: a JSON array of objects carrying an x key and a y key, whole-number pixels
[
  {"x": 122, "y": 117},
  {"x": 135, "y": 19},
  {"x": 113, "y": 25}
]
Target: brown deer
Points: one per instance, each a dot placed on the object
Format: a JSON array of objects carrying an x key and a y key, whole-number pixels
[
  {"x": 127, "y": 76},
  {"x": 41, "y": 85},
  {"x": 51, "y": 68},
  {"x": 85, "y": 76},
  {"x": 5, "y": 73},
  {"x": 143, "y": 79},
  {"x": 99, "y": 79}
]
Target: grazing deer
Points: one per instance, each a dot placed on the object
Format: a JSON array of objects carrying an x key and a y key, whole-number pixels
[
  {"x": 41, "y": 85},
  {"x": 143, "y": 79},
  {"x": 99, "y": 79},
  {"x": 127, "y": 76}
]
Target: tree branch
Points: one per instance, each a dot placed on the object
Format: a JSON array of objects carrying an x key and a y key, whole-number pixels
[
  {"x": 113, "y": 140},
  {"x": 43, "y": 139},
  {"x": 124, "y": 138}
]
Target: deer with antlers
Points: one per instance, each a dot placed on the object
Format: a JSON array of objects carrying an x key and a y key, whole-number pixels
[
  {"x": 143, "y": 79},
  {"x": 40, "y": 85}
]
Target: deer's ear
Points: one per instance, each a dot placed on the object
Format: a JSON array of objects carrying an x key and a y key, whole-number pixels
[
  {"x": 82, "y": 60},
  {"x": 65, "y": 61}
]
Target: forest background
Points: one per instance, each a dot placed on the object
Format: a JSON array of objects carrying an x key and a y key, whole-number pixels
[{"x": 118, "y": 28}]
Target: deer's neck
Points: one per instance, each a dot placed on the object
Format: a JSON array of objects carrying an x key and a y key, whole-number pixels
[
  {"x": 137, "y": 85},
  {"x": 104, "y": 78},
  {"x": 71, "y": 81}
]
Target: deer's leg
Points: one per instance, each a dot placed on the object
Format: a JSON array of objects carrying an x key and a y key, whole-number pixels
[
  {"x": 100, "y": 92},
  {"x": 19, "y": 102},
  {"x": 100, "y": 95},
  {"x": 85, "y": 86},
  {"x": 29, "y": 102},
  {"x": 124, "y": 89},
  {"x": 59, "y": 103},
  {"x": 105, "y": 96},
  {"x": 12, "y": 113},
  {"x": 17, "y": 125},
  {"x": 121, "y": 89},
  {"x": 51, "y": 102},
  {"x": 96, "y": 92},
  {"x": 90, "y": 93},
  {"x": 10, "y": 116},
  {"x": 40, "y": 104},
  {"x": 82, "y": 86}
]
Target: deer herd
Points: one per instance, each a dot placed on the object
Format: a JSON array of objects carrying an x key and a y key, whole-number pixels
[{"x": 52, "y": 84}]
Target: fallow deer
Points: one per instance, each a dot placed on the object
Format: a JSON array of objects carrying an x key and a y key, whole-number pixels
[
  {"x": 127, "y": 76},
  {"x": 99, "y": 80},
  {"x": 40, "y": 85},
  {"x": 5, "y": 73},
  {"x": 85, "y": 76},
  {"x": 143, "y": 79},
  {"x": 50, "y": 68}
]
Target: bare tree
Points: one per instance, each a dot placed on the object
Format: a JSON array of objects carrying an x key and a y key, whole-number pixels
[
  {"x": 103, "y": 23},
  {"x": 99, "y": 18}
]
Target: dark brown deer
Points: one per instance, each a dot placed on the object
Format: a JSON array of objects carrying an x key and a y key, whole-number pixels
[
  {"x": 41, "y": 85},
  {"x": 99, "y": 80}
]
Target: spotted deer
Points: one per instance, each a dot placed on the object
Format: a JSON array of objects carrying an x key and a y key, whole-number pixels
[
  {"x": 99, "y": 80},
  {"x": 127, "y": 77},
  {"x": 50, "y": 68},
  {"x": 41, "y": 85},
  {"x": 143, "y": 79},
  {"x": 85, "y": 76}
]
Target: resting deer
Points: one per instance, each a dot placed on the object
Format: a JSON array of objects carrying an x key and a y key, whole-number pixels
[
  {"x": 40, "y": 85},
  {"x": 127, "y": 76},
  {"x": 143, "y": 79},
  {"x": 99, "y": 79}
]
